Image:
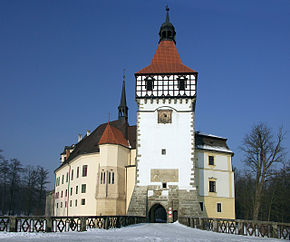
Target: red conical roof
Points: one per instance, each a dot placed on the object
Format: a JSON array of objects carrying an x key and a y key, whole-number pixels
[
  {"x": 112, "y": 135},
  {"x": 166, "y": 60}
]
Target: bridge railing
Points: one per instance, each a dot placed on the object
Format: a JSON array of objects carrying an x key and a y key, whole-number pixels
[
  {"x": 239, "y": 226},
  {"x": 64, "y": 224}
]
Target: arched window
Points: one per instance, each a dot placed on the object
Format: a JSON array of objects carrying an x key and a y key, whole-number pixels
[{"x": 149, "y": 83}]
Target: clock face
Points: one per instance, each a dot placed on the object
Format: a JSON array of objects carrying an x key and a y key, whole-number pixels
[{"x": 164, "y": 116}]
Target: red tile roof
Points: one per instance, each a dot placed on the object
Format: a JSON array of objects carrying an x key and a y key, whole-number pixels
[
  {"x": 113, "y": 135},
  {"x": 166, "y": 60}
]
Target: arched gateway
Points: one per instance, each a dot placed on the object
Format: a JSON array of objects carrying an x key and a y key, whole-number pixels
[{"x": 157, "y": 214}]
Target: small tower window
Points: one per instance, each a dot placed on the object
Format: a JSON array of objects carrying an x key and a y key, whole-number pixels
[
  {"x": 212, "y": 186},
  {"x": 182, "y": 83},
  {"x": 149, "y": 83},
  {"x": 201, "y": 206},
  {"x": 164, "y": 185},
  {"x": 163, "y": 151},
  {"x": 219, "y": 207},
  {"x": 211, "y": 160}
]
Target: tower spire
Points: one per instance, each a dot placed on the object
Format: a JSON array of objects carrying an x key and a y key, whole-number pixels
[
  {"x": 123, "y": 108},
  {"x": 167, "y": 31}
]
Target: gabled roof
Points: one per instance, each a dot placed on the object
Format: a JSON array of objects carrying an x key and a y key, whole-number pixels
[
  {"x": 112, "y": 135},
  {"x": 166, "y": 60},
  {"x": 90, "y": 144}
]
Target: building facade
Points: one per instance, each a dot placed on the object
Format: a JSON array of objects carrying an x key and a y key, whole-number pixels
[{"x": 161, "y": 168}]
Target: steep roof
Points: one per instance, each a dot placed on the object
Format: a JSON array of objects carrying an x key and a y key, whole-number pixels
[
  {"x": 166, "y": 60},
  {"x": 90, "y": 144},
  {"x": 112, "y": 135}
]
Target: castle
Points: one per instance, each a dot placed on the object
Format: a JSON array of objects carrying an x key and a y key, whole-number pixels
[{"x": 160, "y": 168}]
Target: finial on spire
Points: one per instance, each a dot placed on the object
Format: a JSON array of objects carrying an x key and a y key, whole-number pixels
[
  {"x": 167, "y": 14},
  {"x": 167, "y": 31},
  {"x": 124, "y": 74}
]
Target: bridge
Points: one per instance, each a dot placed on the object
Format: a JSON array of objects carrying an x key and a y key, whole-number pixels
[{"x": 137, "y": 232}]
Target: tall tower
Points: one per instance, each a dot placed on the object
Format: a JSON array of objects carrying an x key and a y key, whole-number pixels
[{"x": 166, "y": 95}]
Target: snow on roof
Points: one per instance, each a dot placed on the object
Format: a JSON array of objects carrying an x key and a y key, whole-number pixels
[
  {"x": 214, "y": 148},
  {"x": 210, "y": 135}
]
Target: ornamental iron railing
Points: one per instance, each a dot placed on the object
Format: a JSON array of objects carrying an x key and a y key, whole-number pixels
[
  {"x": 239, "y": 226},
  {"x": 65, "y": 224}
]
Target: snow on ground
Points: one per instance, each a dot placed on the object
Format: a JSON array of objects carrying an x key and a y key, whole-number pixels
[{"x": 139, "y": 232}]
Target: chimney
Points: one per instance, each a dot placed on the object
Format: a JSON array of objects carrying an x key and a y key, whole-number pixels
[
  {"x": 79, "y": 137},
  {"x": 88, "y": 132}
]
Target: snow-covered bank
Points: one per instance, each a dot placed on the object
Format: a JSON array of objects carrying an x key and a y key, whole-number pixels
[{"x": 139, "y": 232}]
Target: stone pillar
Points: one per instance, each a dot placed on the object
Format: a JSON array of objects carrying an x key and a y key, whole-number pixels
[
  {"x": 240, "y": 228},
  {"x": 83, "y": 224},
  {"x": 49, "y": 224},
  {"x": 13, "y": 224},
  {"x": 275, "y": 230},
  {"x": 215, "y": 225}
]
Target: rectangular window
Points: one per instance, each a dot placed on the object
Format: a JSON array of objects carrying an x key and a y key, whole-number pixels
[
  {"x": 76, "y": 202},
  {"x": 62, "y": 179},
  {"x": 70, "y": 203},
  {"x": 77, "y": 189},
  {"x": 181, "y": 84},
  {"x": 61, "y": 194},
  {"x": 71, "y": 191},
  {"x": 83, "y": 201},
  {"x": 219, "y": 207},
  {"x": 83, "y": 188},
  {"x": 56, "y": 205},
  {"x": 149, "y": 85},
  {"x": 201, "y": 206},
  {"x": 61, "y": 204},
  {"x": 101, "y": 177},
  {"x": 66, "y": 192},
  {"x": 212, "y": 187},
  {"x": 67, "y": 177},
  {"x": 85, "y": 170},
  {"x": 78, "y": 172},
  {"x": 164, "y": 185},
  {"x": 211, "y": 160},
  {"x": 104, "y": 178},
  {"x": 72, "y": 174},
  {"x": 163, "y": 151},
  {"x": 109, "y": 178},
  {"x": 113, "y": 178}
]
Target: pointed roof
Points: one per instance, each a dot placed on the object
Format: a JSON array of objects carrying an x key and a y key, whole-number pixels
[
  {"x": 166, "y": 60},
  {"x": 112, "y": 135},
  {"x": 123, "y": 102}
]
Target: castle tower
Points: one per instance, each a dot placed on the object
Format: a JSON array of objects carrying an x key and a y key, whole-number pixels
[{"x": 166, "y": 95}]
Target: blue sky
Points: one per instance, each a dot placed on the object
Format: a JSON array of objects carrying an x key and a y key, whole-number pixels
[{"x": 61, "y": 67}]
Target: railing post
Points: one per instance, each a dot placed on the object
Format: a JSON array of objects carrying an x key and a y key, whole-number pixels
[
  {"x": 118, "y": 224},
  {"x": 48, "y": 224},
  {"x": 215, "y": 225},
  {"x": 83, "y": 224},
  {"x": 275, "y": 230},
  {"x": 107, "y": 221},
  {"x": 13, "y": 224},
  {"x": 240, "y": 228},
  {"x": 201, "y": 223}
]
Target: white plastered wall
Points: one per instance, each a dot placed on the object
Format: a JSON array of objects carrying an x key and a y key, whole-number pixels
[
  {"x": 175, "y": 137},
  {"x": 92, "y": 161}
]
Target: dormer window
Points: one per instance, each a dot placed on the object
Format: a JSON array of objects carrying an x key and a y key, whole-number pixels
[{"x": 149, "y": 84}]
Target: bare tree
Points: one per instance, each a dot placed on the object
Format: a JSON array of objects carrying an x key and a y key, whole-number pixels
[
  {"x": 3, "y": 183},
  {"x": 42, "y": 181},
  {"x": 14, "y": 180},
  {"x": 262, "y": 151},
  {"x": 30, "y": 184}
]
